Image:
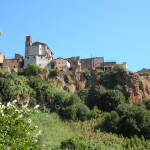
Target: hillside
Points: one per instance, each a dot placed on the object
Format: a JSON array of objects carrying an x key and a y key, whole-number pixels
[{"x": 83, "y": 110}]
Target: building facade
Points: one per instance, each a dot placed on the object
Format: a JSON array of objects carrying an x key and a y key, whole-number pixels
[
  {"x": 124, "y": 66},
  {"x": 14, "y": 63},
  {"x": 2, "y": 57},
  {"x": 92, "y": 63},
  {"x": 75, "y": 63},
  {"x": 62, "y": 64},
  {"x": 37, "y": 53}
]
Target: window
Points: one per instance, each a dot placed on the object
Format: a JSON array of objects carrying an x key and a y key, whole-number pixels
[
  {"x": 27, "y": 57},
  {"x": 62, "y": 62},
  {"x": 39, "y": 64},
  {"x": 17, "y": 61},
  {"x": 34, "y": 57}
]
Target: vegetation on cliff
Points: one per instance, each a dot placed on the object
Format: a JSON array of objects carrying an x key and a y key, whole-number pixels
[{"x": 99, "y": 116}]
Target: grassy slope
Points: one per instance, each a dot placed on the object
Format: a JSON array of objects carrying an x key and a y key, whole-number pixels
[{"x": 53, "y": 129}]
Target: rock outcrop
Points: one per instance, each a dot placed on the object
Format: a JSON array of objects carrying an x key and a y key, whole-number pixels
[{"x": 136, "y": 87}]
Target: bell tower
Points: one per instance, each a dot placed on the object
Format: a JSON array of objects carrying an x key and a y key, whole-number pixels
[
  {"x": 28, "y": 43},
  {"x": 28, "y": 40}
]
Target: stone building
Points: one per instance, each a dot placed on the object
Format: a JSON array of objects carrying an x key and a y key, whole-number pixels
[
  {"x": 75, "y": 63},
  {"x": 62, "y": 64},
  {"x": 14, "y": 63},
  {"x": 2, "y": 57},
  {"x": 124, "y": 66},
  {"x": 37, "y": 53},
  {"x": 108, "y": 66},
  {"x": 92, "y": 63}
]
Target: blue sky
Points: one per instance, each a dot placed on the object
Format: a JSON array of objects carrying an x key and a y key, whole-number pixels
[{"x": 114, "y": 29}]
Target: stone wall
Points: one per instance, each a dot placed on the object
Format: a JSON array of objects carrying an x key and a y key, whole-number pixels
[{"x": 15, "y": 63}]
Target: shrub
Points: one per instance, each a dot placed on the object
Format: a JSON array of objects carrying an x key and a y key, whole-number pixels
[
  {"x": 95, "y": 113},
  {"x": 34, "y": 70},
  {"x": 135, "y": 143},
  {"x": 118, "y": 68},
  {"x": 111, "y": 121},
  {"x": 147, "y": 103},
  {"x": 95, "y": 96},
  {"x": 87, "y": 74},
  {"x": 54, "y": 72},
  {"x": 111, "y": 99},
  {"x": 84, "y": 94},
  {"x": 83, "y": 112},
  {"x": 109, "y": 81},
  {"x": 60, "y": 101},
  {"x": 15, "y": 131},
  {"x": 74, "y": 99}
]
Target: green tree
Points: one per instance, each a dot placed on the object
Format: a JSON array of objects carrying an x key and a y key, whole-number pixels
[
  {"x": 95, "y": 96},
  {"x": 111, "y": 121}
]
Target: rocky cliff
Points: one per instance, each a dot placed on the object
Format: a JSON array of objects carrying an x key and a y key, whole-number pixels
[{"x": 135, "y": 86}]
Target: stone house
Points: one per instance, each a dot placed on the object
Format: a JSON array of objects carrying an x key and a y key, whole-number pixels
[
  {"x": 75, "y": 63},
  {"x": 14, "y": 63},
  {"x": 2, "y": 57},
  {"x": 108, "y": 66},
  {"x": 62, "y": 64},
  {"x": 37, "y": 53},
  {"x": 92, "y": 63}
]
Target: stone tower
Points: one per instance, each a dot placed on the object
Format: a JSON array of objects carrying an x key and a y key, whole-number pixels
[{"x": 28, "y": 43}]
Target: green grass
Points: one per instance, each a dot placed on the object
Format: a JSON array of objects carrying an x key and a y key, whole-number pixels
[{"x": 54, "y": 130}]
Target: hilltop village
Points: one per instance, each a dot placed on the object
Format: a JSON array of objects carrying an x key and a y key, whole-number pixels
[{"x": 40, "y": 54}]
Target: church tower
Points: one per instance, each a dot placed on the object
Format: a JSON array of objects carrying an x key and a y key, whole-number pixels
[{"x": 28, "y": 43}]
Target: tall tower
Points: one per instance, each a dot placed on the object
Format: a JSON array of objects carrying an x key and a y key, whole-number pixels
[{"x": 28, "y": 43}]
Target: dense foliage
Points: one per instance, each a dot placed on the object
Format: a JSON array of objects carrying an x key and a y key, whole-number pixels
[
  {"x": 104, "y": 104},
  {"x": 15, "y": 130}
]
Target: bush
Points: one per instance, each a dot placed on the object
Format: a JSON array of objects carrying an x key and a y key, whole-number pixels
[
  {"x": 135, "y": 143},
  {"x": 111, "y": 121},
  {"x": 84, "y": 94},
  {"x": 54, "y": 73},
  {"x": 60, "y": 101},
  {"x": 87, "y": 74},
  {"x": 118, "y": 68},
  {"x": 109, "y": 81},
  {"x": 15, "y": 131},
  {"x": 111, "y": 99},
  {"x": 83, "y": 112},
  {"x": 95, "y": 113},
  {"x": 95, "y": 96},
  {"x": 74, "y": 99}
]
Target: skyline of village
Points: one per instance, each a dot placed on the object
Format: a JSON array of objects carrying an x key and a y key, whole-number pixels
[
  {"x": 39, "y": 53},
  {"x": 114, "y": 30}
]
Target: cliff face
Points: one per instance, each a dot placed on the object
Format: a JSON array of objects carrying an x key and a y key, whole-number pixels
[{"x": 136, "y": 87}]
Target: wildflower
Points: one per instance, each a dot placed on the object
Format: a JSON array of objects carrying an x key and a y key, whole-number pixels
[
  {"x": 29, "y": 121},
  {"x": 38, "y": 133},
  {"x": 15, "y": 101},
  {"x": 37, "y": 106},
  {"x": 19, "y": 116},
  {"x": 8, "y": 104}
]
